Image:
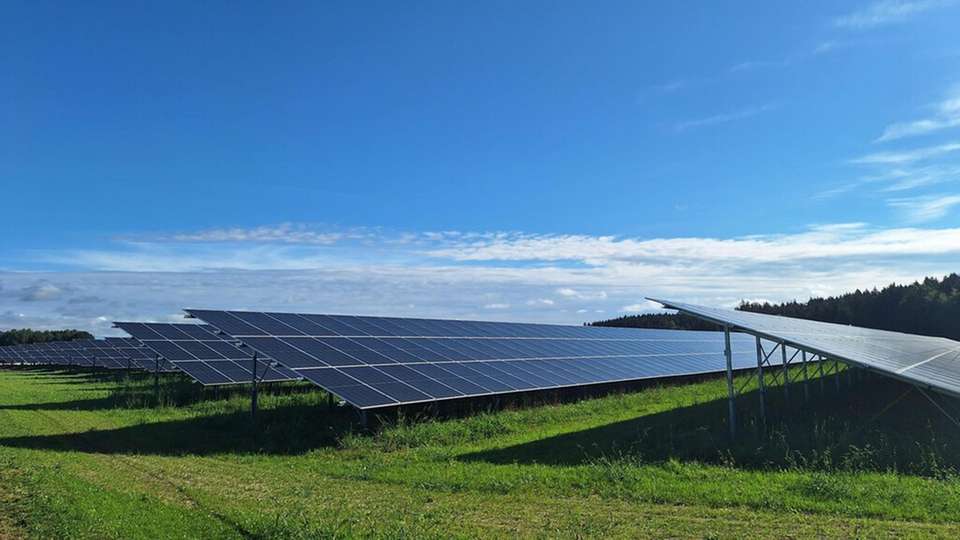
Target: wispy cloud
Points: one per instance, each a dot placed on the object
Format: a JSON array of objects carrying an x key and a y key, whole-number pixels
[
  {"x": 42, "y": 291},
  {"x": 289, "y": 233},
  {"x": 825, "y": 46},
  {"x": 514, "y": 275},
  {"x": 887, "y": 12},
  {"x": 925, "y": 208},
  {"x": 758, "y": 64},
  {"x": 671, "y": 86},
  {"x": 646, "y": 306},
  {"x": 946, "y": 115},
  {"x": 724, "y": 118},
  {"x": 899, "y": 178},
  {"x": 907, "y": 178},
  {"x": 907, "y": 156},
  {"x": 820, "y": 242}
]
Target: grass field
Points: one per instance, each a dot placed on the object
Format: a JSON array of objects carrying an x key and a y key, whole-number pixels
[{"x": 87, "y": 455}]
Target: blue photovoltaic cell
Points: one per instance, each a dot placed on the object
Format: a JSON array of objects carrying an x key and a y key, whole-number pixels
[
  {"x": 141, "y": 357},
  {"x": 81, "y": 352},
  {"x": 102, "y": 355},
  {"x": 931, "y": 361},
  {"x": 203, "y": 354},
  {"x": 379, "y": 361}
]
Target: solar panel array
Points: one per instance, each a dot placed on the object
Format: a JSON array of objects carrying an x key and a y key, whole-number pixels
[
  {"x": 72, "y": 353},
  {"x": 208, "y": 357},
  {"x": 932, "y": 361},
  {"x": 379, "y": 361},
  {"x": 140, "y": 357},
  {"x": 54, "y": 353},
  {"x": 103, "y": 355},
  {"x": 80, "y": 352}
]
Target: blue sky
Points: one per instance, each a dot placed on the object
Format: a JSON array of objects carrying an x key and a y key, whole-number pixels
[{"x": 549, "y": 161}]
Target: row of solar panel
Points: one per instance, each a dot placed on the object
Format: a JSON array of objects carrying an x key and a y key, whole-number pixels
[
  {"x": 379, "y": 361},
  {"x": 374, "y": 362},
  {"x": 240, "y": 324},
  {"x": 207, "y": 356},
  {"x": 368, "y": 386},
  {"x": 111, "y": 353},
  {"x": 301, "y": 352},
  {"x": 128, "y": 353}
]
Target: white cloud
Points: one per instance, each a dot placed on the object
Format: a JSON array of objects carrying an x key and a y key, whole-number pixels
[
  {"x": 522, "y": 277},
  {"x": 40, "y": 292},
  {"x": 887, "y": 12},
  {"x": 925, "y": 208},
  {"x": 671, "y": 86},
  {"x": 820, "y": 242},
  {"x": 907, "y": 156},
  {"x": 903, "y": 179},
  {"x": 646, "y": 306},
  {"x": 759, "y": 64},
  {"x": 900, "y": 178},
  {"x": 946, "y": 115},
  {"x": 723, "y": 118},
  {"x": 569, "y": 293},
  {"x": 286, "y": 233},
  {"x": 825, "y": 47}
]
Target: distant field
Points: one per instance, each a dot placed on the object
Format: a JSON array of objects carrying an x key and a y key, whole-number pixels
[{"x": 89, "y": 456}]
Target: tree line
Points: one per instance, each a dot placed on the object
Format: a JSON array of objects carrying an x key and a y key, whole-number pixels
[
  {"x": 24, "y": 336},
  {"x": 929, "y": 307}
]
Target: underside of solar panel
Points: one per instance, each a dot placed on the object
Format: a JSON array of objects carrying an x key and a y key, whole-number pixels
[
  {"x": 380, "y": 361},
  {"x": 926, "y": 361}
]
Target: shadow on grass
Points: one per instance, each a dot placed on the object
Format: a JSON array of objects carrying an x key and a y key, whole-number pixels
[
  {"x": 136, "y": 390},
  {"x": 287, "y": 430},
  {"x": 848, "y": 430}
]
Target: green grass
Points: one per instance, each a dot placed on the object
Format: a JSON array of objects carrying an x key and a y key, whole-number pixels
[{"x": 96, "y": 456}]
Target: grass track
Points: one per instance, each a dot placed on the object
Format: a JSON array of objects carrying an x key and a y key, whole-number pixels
[{"x": 89, "y": 456}]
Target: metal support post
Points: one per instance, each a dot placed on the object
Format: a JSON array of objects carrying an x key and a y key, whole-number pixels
[
  {"x": 820, "y": 361},
  {"x": 156, "y": 379},
  {"x": 786, "y": 372},
  {"x": 253, "y": 391},
  {"x": 330, "y": 404},
  {"x": 836, "y": 373},
  {"x": 761, "y": 384},
  {"x": 728, "y": 353},
  {"x": 806, "y": 379}
]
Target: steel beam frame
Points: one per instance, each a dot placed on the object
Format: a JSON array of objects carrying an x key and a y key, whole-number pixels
[{"x": 765, "y": 369}]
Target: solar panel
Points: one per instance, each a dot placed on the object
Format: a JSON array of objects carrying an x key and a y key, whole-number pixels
[
  {"x": 932, "y": 361},
  {"x": 208, "y": 357},
  {"x": 73, "y": 353},
  {"x": 38, "y": 354},
  {"x": 10, "y": 354},
  {"x": 379, "y": 361},
  {"x": 106, "y": 356},
  {"x": 7, "y": 355},
  {"x": 140, "y": 357}
]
